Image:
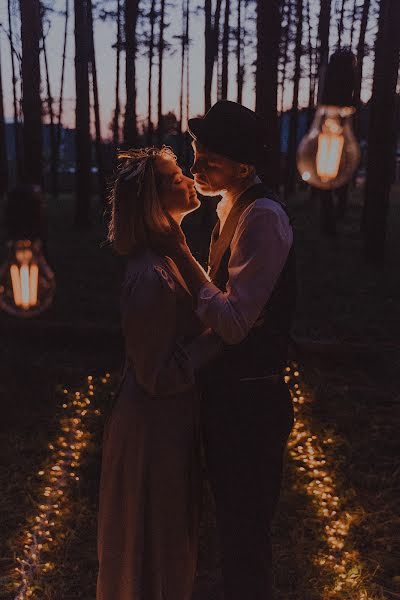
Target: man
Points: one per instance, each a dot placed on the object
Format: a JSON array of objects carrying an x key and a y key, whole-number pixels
[{"x": 249, "y": 303}]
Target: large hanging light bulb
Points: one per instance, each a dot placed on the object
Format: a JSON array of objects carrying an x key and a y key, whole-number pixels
[
  {"x": 27, "y": 283},
  {"x": 329, "y": 154}
]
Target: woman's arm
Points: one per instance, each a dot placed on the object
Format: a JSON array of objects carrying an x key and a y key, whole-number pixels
[{"x": 149, "y": 316}]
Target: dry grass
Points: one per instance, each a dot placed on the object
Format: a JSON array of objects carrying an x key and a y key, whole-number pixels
[{"x": 340, "y": 299}]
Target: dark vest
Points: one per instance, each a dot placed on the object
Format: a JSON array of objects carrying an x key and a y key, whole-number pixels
[{"x": 264, "y": 350}]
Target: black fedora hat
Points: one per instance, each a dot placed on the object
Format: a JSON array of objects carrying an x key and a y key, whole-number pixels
[{"x": 231, "y": 130}]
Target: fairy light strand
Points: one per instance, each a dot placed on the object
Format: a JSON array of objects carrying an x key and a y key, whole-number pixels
[
  {"x": 309, "y": 451},
  {"x": 311, "y": 457},
  {"x": 45, "y": 527}
]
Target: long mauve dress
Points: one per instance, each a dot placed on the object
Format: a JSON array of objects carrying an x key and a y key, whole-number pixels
[{"x": 150, "y": 476}]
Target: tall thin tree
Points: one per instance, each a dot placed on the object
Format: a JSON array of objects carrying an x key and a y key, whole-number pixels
[
  {"x": 117, "y": 109},
  {"x": 183, "y": 57},
  {"x": 285, "y": 38},
  {"x": 323, "y": 38},
  {"x": 187, "y": 61},
  {"x": 341, "y": 24},
  {"x": 294, "y": 113},
  {"x": 239, "y": 46},
  {"x": 96, "y": 106},
  {"x": 31, "y": 102},
  {"x": 161, "y": 47},
  {"x": 61, "y": 98},
  {"x": 361, "y": 51},
  {"x": 130, "y": 120},
  {"x": 211, "y": 36},
  {"x": 17, "y": 136},
  {"x": 3, "y": 146},
  {"x": 225, "y": 52},
  {"x": 82, "y": 112},
  {"x": 382, "y": 131},
  {"x": 268, "y": 34},
  {"x": 327, "y": 207},
  {"x": 353, "y": 22},
  {"x": 311, "y": 90},
  {"x": 150, "y": 127},
  {"x": 50, "y": 101}
]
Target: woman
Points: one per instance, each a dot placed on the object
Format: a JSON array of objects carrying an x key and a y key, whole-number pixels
[{"x": 149, "y": 491}]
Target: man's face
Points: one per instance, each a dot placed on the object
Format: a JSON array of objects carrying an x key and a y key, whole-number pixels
[{"x": 213, "y": 173}]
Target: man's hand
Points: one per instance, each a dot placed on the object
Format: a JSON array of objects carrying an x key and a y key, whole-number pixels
[{"x": 171, "y": 243}]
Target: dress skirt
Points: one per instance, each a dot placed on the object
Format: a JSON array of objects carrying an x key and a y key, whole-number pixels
[{"x": 150, "y": 492}]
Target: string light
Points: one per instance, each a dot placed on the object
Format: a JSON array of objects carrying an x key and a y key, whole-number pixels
[
  {"x": 310, "y": 453},
  {"x": 45, "y": 527}
]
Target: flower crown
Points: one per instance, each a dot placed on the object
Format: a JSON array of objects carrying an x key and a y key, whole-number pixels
[{"x": 136, "y": 162}]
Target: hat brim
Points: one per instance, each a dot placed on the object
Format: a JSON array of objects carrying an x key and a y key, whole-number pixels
[{"x": 196, "y": 127}]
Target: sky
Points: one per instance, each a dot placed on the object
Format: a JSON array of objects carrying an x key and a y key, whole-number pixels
[{"x": 105, "y": 36}]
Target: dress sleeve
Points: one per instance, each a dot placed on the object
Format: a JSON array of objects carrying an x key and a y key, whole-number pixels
[{"x": 149, "y": 319}]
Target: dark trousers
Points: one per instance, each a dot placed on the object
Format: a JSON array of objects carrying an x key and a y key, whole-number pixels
[{"x": 246, "y": 426}]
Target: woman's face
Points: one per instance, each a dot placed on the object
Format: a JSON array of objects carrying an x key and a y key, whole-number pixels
[{"x": 177, "y": 192}]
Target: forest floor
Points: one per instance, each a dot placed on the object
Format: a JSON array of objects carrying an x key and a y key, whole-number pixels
[{"x": 349, "y": 415}]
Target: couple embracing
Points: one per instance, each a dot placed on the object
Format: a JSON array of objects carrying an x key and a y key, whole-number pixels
[{"x": 205, "y": 355}]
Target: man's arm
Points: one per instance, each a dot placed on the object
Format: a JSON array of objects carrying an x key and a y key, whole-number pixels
[{"x": 259, "y": 251}]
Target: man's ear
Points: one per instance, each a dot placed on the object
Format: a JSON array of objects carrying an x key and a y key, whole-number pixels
[{"x": 245, "y": 170}]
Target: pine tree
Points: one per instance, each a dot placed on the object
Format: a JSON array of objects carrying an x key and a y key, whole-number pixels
[
  {"x": 130, "y": 121},
  {"x": 31, "y": 102},
  {"x": 3, "y": 147},
  {"x": 82, "y": 133},
  {"x": 382, "y": 131},
  {"x": 211, "y": 34},
  {"x": 268, "y": 35}
]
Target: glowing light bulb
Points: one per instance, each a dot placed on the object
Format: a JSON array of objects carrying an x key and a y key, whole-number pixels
[
  {"x": 27, "y": 282},
  {"x": 329, "y": 154}
]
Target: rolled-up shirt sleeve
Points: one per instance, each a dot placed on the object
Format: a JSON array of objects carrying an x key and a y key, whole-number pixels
[{"x": 259, "y": 250}]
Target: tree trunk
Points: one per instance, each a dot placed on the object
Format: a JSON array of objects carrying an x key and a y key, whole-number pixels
[
  {"x": 211, "y": 34},
  {"x": 161, "y": 46},
  {"x": 187, "y": 61},
  {"x": 130, "y": 122},
  {"x": 150, "y": 126},
  {"x": 382, "y": 131},
  {"x": 17, "y": 133},
  {"x": 323, "y": 36},
  {"x": 285, "y": 54},
  {"x": 327, "y": 208},
  {"x": 61, "y": 100},
  {"x": 3, "y": 147},
  {"x": 53, "y": 139},
  {"x": 240, "y": 67},
  {"x": 117, "y": 109},
  {"x": 353, "y": 22},
  {"x": 183, "y": 52},
  {"x": 31, "y": 102},
  {"x": 361, "y": 52},
  {"x": 294, "y": 113},
  {"x": 225, "y": 53},
  {"x": 99, "y": 149},
  {"x": 311, "y": 92},
  {"x": 82, "y": 111},
  {"x": 340, "y": 25},
  {"x": 268, "y": 33}
]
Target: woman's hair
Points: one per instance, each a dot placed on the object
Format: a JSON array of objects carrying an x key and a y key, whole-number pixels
[{"x": 136, "y": 210}]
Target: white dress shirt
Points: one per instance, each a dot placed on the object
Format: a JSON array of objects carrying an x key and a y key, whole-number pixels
[{"x": 259, "y": 249}]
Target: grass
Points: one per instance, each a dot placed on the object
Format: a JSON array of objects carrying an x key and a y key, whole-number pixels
[{"x": 341, "y": 299}]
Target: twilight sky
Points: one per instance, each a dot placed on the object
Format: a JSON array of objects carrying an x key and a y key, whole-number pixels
[{"x": 105, "y": 35}]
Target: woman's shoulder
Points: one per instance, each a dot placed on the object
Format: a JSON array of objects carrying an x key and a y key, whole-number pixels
[{"x": 148, "y": 270}]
